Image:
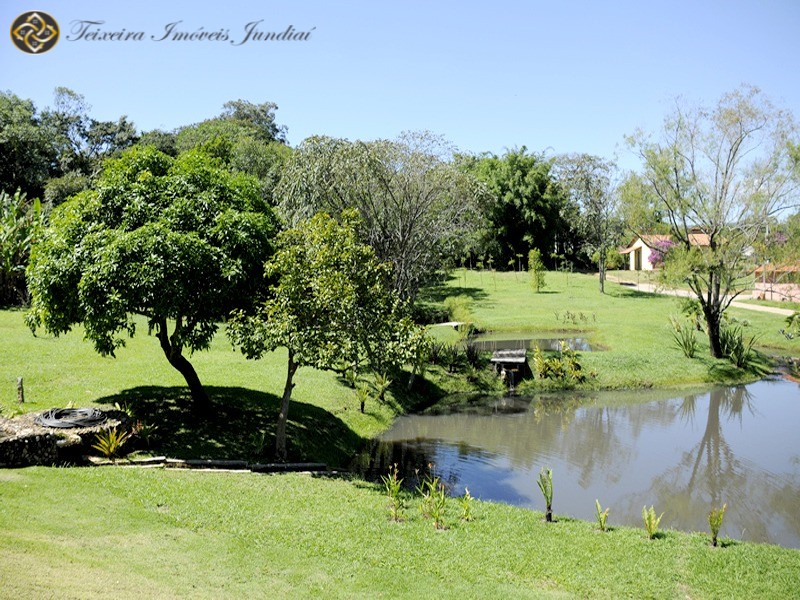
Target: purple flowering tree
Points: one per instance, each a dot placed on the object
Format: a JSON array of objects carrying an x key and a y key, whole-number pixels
[{"x": 659, "y": 251}]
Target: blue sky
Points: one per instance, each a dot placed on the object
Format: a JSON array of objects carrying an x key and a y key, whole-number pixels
[{"x": 555, "y": 76}]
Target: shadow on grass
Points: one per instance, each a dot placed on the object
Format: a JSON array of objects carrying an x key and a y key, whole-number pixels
[
  {"x": 240, "y": 426},
  {"x": 630, "y": 293},
  {"x": 438, "y": 293}
]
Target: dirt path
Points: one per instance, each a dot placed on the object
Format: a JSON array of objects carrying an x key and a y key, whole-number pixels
[{"x": 653, "y": 289}]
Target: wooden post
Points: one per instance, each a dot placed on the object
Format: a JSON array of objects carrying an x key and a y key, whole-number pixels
[{"x": 20, "y": 391}]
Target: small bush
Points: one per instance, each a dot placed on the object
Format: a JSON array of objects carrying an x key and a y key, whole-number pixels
[
  {"x": 434, "y": 500},
  {"x": 684, "y": 336},
  {"x": 602, "y": 515},
  {"x": 110, "y": 442},
  {"x": 734, "y": 346},
  {"x": 651, "y": 521},
  {"x": 564, "y": 367},
  {"x": 536, "y": 270},
  {"x": 715, "y": 518},
  {"x": 459, "y": 308},
  {"x": 393, "y": 485},
  {"x": 466, "y": 502},
  {"x": 546, "y": 485}
]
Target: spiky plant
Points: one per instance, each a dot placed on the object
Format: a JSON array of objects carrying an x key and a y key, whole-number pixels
[
  {"x": 546, "y": 485},
  {"x": 651, "y": 521},
  {"x": 715, "y": 518}
]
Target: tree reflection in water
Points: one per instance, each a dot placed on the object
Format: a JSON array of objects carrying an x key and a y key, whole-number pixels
[{"x": 626, "y": 450}]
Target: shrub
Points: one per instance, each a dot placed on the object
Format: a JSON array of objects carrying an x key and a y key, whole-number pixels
[
  {"x": 434, "y": 500},
  {"x": 715, "y": 522},
  {"x": 362, "y": 394},
  {"x": 684, "y": 336},
  {"x": 651, "y": 521},
  {"x": 734, "y": 346},
  {"x": 110, "y": 442},
  {"x": 536, "y": 270},
  {"x": 602, "y": 515},
  {"x": 459, "y": 308},
  {"x": 393, "y": 485},
  {"x": 466, "y": 501},
  {"x": 564, "y": 367},
  {"x": 546, "y": 485}
]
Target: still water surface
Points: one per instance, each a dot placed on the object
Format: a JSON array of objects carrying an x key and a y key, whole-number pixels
[{"x": 683, "y": 454}]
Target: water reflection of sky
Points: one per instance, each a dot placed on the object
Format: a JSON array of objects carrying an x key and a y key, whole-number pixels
[{"x": 683, "y": 455}]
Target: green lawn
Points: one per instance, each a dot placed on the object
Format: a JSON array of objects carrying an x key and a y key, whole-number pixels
[
  {"x": 135, "y": 533},
  {"x": 325, "y": 422},
  {"x": 632, "y": 327},
  {"x": 165, "y": 534}
]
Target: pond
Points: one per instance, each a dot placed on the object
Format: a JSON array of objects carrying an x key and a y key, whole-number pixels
[
  {"x": 683, "y": 454},
  {"x": 526, "y": 340}
]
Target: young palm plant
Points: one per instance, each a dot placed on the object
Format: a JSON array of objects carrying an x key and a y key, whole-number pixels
[
  {"x": 715, "y": 522},
  {"x": 651, "y": 521},
  {"x": 546, "y": 485},
  {"x": 602, "y": 515},
  {"x": 393, "y": 485}
]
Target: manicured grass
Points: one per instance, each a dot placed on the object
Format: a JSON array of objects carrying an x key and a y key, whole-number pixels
[
  {"x": 632, "y": 327},
  {"x": 133, "y": 533},
  {"x": 774, "y": 303},
  {"x": 325, "y": 422}
]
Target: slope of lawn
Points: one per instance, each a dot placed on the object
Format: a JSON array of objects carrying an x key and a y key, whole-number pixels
[
  {"x": 134, "y": 533},
  {"x": 631, "y": 328},
  {"x": 325, "y": 422}
]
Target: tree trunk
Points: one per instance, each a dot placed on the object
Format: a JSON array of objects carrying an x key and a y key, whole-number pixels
[
  {"x": 712, "y": 316},
  {"x": 283, "y": 416},
  {"x": 173, "y": 353},
  {"x": 602, "y": 264}
]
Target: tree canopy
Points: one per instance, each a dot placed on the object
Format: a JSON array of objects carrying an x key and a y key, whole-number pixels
[
  {"x": 723, "y": 172},
  {"x": 418, "y": 210},
  {"x": 175, "y": 240},
  {"x": 331, "y": 306},
  {"x": 525, "y": 209},
  {"x": 589, "y": 182}
]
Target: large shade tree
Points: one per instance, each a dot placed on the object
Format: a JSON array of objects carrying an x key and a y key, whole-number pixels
[
  {"x": 331, "y": 306},
  {"x": 418, "y": 210},
  {"x": 179, "y": 241},
  {"x": 525, "y": 208},
  {"x": 724, "y": 173},
  {"x": 245, "y": 135}
]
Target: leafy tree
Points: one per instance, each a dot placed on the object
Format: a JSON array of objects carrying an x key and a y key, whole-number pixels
[
  {"x": 163, "y": 141},
  {"x": 21, "y": 221},
  {"x": 82, "y": 142},
  {"x": 239, "y": 119},
  {"x": 418, "y": 210},
  {"x": 37, "y": 146},
  {"x": 246, "y": 137},
  {"x": 27, "y": 148},
  {"x": 524, "y": 209},
  {"x": 58, "y": 189},
  {"x": 722, "y": 172},
  {"x": 331, "y": 306},
  {"x": 589, "y": 180},
  {"x": 179, "y": 241},
  {"x": 536, "y": 270}
]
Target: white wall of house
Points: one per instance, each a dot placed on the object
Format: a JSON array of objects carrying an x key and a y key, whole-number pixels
[{"x": 639, "y": 257}]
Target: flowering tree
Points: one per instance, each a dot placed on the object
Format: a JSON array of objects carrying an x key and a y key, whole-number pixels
[{"x": 659, "y": 252}]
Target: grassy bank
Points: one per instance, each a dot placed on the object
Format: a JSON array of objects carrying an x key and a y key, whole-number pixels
[
  {"x": 325, "y": 422},
  {"x": 131, "y": 533},
  {"x": 631, "y": 328}
]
